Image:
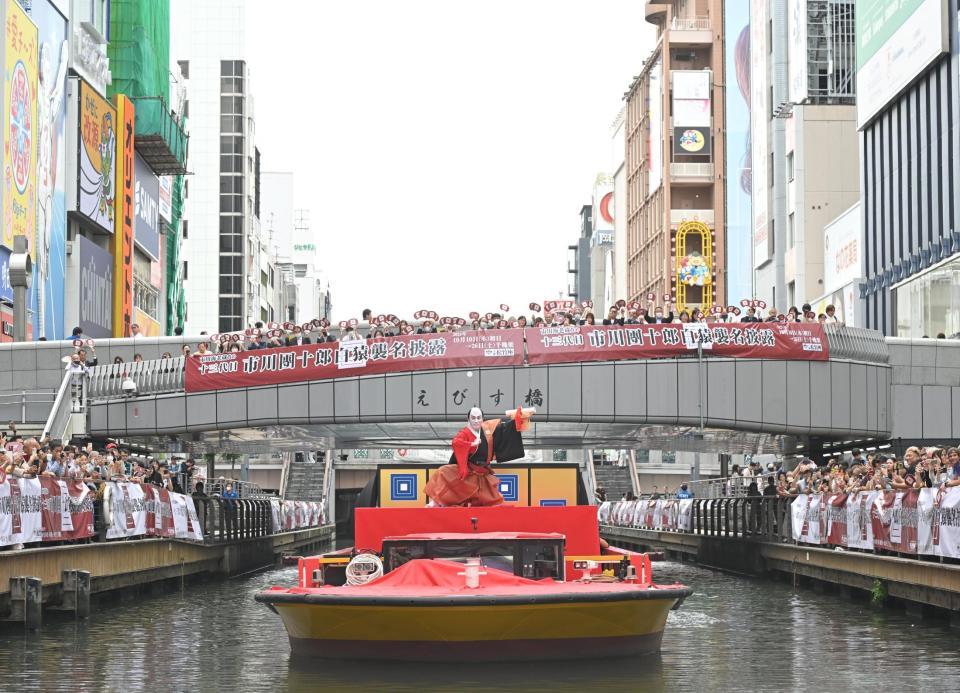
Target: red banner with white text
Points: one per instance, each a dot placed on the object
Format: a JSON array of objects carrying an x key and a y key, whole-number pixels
[
  {"x": 351, "y": 358},
  {"x": 795, "y": 341},
  {"x": 67, "y": 509}
]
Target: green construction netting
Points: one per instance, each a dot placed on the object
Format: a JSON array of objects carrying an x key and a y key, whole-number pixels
[{"x": 139, "y": 48}]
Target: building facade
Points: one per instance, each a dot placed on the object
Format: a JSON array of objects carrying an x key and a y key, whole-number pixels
[
  {"x": 803, "y": 140},
  {"x": 675, "y": 144},
  {"x": 222, "y": 253},
  {"x": 908, "y": 113}
]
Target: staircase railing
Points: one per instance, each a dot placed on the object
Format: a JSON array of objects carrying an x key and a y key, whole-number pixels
[{"x": 70, "y": 400}]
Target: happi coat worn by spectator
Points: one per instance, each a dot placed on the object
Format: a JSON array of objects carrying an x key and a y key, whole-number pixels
[{"x": 469, "y": 480}]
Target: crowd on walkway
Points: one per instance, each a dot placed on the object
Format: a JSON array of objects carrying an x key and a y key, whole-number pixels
[
  {"x": 30, "y": 458},
  {"x": 883, "y": 470}
]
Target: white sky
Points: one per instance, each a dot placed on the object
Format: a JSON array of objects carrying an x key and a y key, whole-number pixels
[{"x": 444, "y": 148}]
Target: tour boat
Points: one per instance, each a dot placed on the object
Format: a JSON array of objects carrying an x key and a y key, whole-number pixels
[{"x": 516, "y": 581}]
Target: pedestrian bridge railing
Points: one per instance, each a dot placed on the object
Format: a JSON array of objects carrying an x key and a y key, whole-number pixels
[{"x": 166, "y": 375}]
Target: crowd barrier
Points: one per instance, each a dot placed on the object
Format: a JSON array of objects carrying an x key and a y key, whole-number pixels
[
  {"x": 143, "y": 510},
  {"x": 668, "y": 515},
  {"x": 47, "y": 509},
  {"x": 44, "y": 509},
  {"x": 924, "y": 522}
]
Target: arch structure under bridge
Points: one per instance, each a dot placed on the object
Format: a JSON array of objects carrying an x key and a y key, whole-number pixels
[{"x": 689, "y": 402}]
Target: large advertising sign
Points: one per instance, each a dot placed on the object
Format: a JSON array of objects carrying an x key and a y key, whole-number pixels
[
  {"x": 341, "y": 359},
  {"x": 122, "y": 241},
  {"x": 759, "y": 122},
  {"x": 736, "y": 22},
  {"x": 165, "y": 198},
  {"x": 691, "y": 98},
  {"x": 96, "y": 196},
  {"x": 96, "y": 289},
  {"x": 19, "y": 123},
  {"x": 146, "y": 209},
  {"x": 798, "y": 341},
  {"x": 691, "y": 141},
  {"x": 842, "y": 250},
  {"x": 797, "y": 50},
  {"x": 46, "y": 291},
  {"x": 896, "y": 41}
]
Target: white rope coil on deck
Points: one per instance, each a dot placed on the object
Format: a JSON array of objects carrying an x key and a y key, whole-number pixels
[{"x": 363, "y": 568}]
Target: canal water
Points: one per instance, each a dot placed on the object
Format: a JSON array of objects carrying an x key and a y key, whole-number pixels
[{"x": 733, "y": 634}]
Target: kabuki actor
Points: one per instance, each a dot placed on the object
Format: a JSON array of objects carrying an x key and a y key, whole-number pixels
[{"x": 469, "y": 480}]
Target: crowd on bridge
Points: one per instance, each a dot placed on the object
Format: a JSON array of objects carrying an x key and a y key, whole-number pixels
[{"x": 554, "y": 313}]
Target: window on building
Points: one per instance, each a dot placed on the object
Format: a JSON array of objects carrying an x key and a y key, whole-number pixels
[
  {"x": 791, "y": 294},
  {"x": 186, "y": 273},
  {"x": 669, "y": 457},
  {"x": 791, "y": 240},
  {"x": 186, "y": 227},
  {"x": 790, "y": 166},
  {"x": 184, "y": 68},
  {"x": 186, "y": 108}
]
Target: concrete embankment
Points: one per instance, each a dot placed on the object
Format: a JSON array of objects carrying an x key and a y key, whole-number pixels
[
  {"x": 920, "y": 586},
  {"x": 128, "y": 565}
]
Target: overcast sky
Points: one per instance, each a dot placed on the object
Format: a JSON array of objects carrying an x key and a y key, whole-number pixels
[{"x": 444, "y": 148}]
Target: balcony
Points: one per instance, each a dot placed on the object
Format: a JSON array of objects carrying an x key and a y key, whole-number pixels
[
  {"x": 159, "y": 136},
  {"x": 678, "y": 216},
  {"x": 655, "y": 11},
  {"x": 691, "y": 172},
  {"x": 690, "y": 30}
]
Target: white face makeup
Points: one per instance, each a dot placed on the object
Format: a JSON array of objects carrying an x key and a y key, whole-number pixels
[{"x": 475, "y": 419}]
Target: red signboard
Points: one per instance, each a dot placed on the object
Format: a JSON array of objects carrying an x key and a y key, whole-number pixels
[
  {"x": 67, "y": 509},
  {"x": 563, "y": 344},
  {"x": 351, "y": 358}
]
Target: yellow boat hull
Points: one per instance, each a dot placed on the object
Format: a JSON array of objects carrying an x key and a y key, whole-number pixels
[{"x": 562, "y": 629}]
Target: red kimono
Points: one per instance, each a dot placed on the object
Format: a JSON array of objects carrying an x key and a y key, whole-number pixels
[{"x": 469, "y": 479}]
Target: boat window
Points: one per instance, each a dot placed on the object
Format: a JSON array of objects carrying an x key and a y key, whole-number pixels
[
  {"x": 398, "y": 554},
  {"x": 540, "y": 561}
]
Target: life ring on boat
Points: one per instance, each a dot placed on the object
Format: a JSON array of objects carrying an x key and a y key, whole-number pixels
[{"x": 363, "y": 568}]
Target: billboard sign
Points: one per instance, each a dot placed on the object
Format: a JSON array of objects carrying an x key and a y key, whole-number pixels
[
  {"x": 736, "y": 21},
  {"x": 896, "y": 41},
  {"x": 842, "y": 250},
  {"x": 96, "y": 194},
  {"x": 603, "y": 207},
  {"x": 122, "y": 242},
  {"x": 19, "y": 124},
  {"x": 46, "y": 291},
  {"x": 146, "y": 209},
  {"x": 691, "y": 97},
  {"x": 96, "y": 289},
  {"x": 166, "y": 198},
  {"x": 797, "y": 50},
  {"x": 759, "y": 144},
  {"x": 691, "y": 141}
]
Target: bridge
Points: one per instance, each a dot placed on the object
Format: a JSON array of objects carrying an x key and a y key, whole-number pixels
[{"x": 868, "y": 390}]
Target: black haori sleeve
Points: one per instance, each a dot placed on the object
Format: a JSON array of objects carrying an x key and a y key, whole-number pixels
[{"x": 507, "y": 442}]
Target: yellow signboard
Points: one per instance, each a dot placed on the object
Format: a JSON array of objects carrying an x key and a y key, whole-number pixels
[{"x": 20, "y": 130}]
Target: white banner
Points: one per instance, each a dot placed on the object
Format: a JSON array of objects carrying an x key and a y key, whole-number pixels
[
  {"x": 128, "y": 510},
  {"x": 805, "y": 516},
  {"x": 21, "y": 503},
  {"x": 186, "y": 523},
  {"x": 859, "y": 524}
]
